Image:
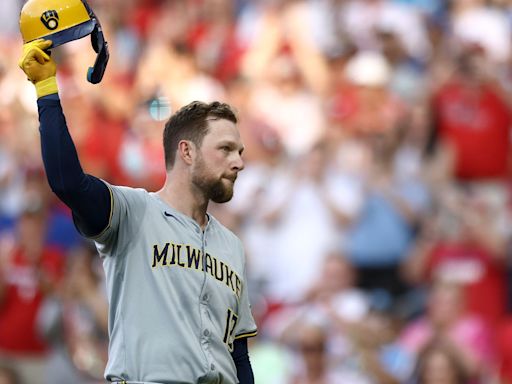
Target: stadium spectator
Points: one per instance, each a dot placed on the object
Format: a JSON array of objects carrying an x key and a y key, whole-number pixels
[
  {"x": 448, "y": 319},
  {"x": 440, "y": 363},
  {"x": 460, "y": 243},
  {"x": 74, "y": 321},
  {"x": 472, "y": 116},
  {"x": 30, "y": 271}
]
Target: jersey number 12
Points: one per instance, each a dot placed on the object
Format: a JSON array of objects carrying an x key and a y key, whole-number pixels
[{"x": 231, "y": 320}]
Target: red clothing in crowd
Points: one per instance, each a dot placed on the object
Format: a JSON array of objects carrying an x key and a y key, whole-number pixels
[
  {"x": 22, "y": 299},
  {"x": 476, "y": 122},
  {"x": 365, "y": 110},
  {"x": 100, "y": 151},
  {"x": 482, "y": 277},
  {"x": 219, "y": 46},
  {"x": 504, "y": 339}
]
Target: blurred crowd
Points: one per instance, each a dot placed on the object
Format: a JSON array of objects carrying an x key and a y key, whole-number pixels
[{"x": 375, "y": 205}]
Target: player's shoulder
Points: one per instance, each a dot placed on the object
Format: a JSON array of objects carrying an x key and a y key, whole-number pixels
[
  {"x": 224, "y": 231},
  {"x": 127, "y": 192},
  {"x": 125, "y": 188}
]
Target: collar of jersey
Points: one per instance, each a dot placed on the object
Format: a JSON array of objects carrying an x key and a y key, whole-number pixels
[{"x": 169, "y": 211}]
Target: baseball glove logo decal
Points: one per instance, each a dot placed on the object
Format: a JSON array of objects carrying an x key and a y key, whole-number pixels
[{"x": 50, "y": 19}]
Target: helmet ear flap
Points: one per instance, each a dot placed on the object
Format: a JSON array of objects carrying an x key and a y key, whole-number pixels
[
  {"x": 95, "y": 39},
  {"x": 100, "y": 46}
]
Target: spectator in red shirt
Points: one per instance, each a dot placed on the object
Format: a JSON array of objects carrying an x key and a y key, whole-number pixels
[
  {"x": 472, "y": 117},
  {"x": 29, "y": 271},
  {"x": 460, "y": 243}
]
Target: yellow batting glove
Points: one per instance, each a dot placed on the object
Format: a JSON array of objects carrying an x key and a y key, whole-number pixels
[{"x": 39, "y": 67}]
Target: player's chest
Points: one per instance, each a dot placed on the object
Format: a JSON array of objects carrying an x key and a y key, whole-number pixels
[{"x": 191, "y": 258}]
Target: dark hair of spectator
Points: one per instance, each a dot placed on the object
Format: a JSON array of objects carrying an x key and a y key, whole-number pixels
[
  {"x": 440, "y": 346},
  {"x": 191, "y": 123}
]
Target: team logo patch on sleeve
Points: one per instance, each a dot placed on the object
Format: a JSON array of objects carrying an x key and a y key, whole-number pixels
[{"x": 50, "y": 19}]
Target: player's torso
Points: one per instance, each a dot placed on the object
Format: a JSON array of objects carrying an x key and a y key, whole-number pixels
[{"x": 179, "y": 290}]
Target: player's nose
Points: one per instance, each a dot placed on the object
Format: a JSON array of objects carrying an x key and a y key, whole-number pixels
[{"x": 238, "y": 163}]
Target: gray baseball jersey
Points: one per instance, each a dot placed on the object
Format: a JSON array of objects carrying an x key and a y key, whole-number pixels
[{"x": 178, "y": 295}]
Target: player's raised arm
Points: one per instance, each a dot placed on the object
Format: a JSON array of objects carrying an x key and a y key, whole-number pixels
[{"x": 87, "y": 196}]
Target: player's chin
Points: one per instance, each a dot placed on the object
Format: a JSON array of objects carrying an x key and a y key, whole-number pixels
[
  {"x": 223, "y": 192},
  {"x": 222, "y": 198}
]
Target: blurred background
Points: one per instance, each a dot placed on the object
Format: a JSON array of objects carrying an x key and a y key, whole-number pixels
[{"x": 375, "y": 205}]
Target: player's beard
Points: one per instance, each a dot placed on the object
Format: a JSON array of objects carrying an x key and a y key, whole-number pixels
[{"x": 214, "y": 188}]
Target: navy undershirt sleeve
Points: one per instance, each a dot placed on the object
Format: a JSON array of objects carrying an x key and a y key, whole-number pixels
[
  {"x": 86, "y": 195},
  {"x": 240, "y": 356}
]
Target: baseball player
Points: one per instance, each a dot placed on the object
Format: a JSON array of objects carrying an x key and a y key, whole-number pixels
[{"x": 176, "y": 280}]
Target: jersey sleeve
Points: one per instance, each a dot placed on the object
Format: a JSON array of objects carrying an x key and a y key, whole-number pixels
[
  {"x": 246, "y": 326},
  {"x": 128, "y": 206}
]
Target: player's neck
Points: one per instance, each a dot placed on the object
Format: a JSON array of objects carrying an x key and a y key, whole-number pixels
[{"x": 181, "y": 197}]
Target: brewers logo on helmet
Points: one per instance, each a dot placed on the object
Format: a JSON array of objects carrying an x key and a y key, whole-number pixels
[{"x": 62, "y": 21}]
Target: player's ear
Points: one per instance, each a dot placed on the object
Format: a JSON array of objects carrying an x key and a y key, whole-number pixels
[{"x": 186, "y": 151}]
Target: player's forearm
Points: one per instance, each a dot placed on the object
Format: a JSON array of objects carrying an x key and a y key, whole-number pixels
[
  {"x": 87, "y": 196},
  {"x": 240, "y": 356},
  {"x": 60, "y": 159}
]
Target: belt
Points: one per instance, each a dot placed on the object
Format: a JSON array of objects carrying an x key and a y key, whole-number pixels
[{"x": 132, "y": 382}]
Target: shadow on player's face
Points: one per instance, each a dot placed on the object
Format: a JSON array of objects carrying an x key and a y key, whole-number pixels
[{"x": 218, "y": 161}]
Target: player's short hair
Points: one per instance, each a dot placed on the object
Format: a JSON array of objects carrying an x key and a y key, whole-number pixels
[{"x": 191, "y": 123}]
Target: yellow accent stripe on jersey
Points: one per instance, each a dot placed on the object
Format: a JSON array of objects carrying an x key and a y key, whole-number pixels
[
  {"x": 110, "y": 216},
  {"x": 247, "y": 334}
]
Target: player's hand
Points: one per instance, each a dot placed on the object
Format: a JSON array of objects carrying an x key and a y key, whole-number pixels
[
  {"x": 39, "y": 67},
  {"x": 36, "y": 63}
]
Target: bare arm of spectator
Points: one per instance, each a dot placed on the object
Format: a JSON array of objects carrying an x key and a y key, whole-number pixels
[
  {"x": 272, "y": 216},
  {"x": 274, "y": 213},
  {"x": 6, "y": 248},
  {"x": 367, "y": 343},
  {"x": 440, "y": 155},
  {"x": 264, "y": 48},
  {"x": 82, "y": 287},
  {"x": 6, "y": 178},
  {"x": 403, "y": 207},
  {"x": 97, "y": 304},
  {"x": 372, "y": 365},
  {"x": 3, "y": 287},
  {"x": 483, "y": 231},
  {"x": 472, "y": 365},
  {"x": 382, "y": 182},
  {"x": 342, "y": 218},
  {"x": 414, "y": 266},
  {"x": 310, "y": 60}
]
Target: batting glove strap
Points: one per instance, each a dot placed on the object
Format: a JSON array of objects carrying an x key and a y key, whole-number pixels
[{"x": 46, "y": 87}]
